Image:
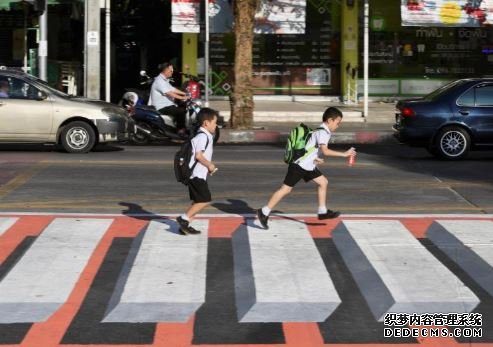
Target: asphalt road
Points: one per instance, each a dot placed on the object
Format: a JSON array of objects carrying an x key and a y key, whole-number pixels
[{"x": 387, "y": 179}]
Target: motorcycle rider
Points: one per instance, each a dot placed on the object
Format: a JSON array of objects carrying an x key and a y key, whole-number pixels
[{"x": 163, "y": 96}]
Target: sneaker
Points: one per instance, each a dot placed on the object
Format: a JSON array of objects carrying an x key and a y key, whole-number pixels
[
  {"x": 193, "y": 231},
  {"x": 262, "y": 218},
  {"x": 329, "y": 214},
  {"x": 184, "y": 226}
]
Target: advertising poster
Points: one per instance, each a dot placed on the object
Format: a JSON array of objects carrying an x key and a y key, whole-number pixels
[
  {"x": 185, "y": 16},
  {"x": 273, "y": 16},
  {"x": 452, "y": 13},
  {"x": 281, "y": 17}
]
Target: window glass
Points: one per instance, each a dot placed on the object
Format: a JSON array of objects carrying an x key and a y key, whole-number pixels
[
  {"x": 18, "y": 89},
  {"x": 484, "y": 96},
  {"x": 466, "y": 99}
]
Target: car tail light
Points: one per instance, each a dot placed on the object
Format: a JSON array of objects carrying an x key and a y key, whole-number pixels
[{"x": 407, "y": 112}]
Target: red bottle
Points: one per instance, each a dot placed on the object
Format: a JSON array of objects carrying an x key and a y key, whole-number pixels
[{"x": 351, "y": 160}]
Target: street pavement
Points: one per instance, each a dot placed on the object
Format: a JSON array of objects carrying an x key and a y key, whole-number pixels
[
  {"x": 274, "y": 118},
  {"x": 90, "y": 254}
]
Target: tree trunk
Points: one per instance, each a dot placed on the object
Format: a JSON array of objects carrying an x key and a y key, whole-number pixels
[{"x": 242, "y": 97}]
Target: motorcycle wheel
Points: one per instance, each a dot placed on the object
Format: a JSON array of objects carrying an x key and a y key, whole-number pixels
[{"x": 140, "y": 138}]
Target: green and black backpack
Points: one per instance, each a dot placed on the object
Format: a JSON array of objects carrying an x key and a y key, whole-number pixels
[{"x": 296, "y": 145}]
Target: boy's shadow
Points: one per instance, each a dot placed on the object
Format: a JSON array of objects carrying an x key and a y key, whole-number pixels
[
  {"x": 138, "y": 212},
  {"x": 239, "y": 206}
]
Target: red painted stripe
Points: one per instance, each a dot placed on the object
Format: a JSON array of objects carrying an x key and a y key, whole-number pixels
[
  {"x": 224, "y": 227},
  {"x": 302, "y": 334},
  {"x": 174, "y": 334},
  {"x": 50, "y": 332},
  {"x": 24, "y": 227}
]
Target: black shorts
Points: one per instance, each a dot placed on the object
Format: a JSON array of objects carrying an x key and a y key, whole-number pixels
[
  {"x": 199, "y": 190},
  {"x": 296, "y": 173}
]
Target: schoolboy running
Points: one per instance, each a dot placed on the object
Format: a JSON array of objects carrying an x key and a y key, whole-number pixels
[
  {"x": 306, "y": 167},
  {"x": 201, "y": 162}
]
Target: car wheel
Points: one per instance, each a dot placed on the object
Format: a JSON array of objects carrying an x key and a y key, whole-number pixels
[
  {"x": 78, "y": 137},
  {"x": 452, "y": 143},
  {"x": 140, "y": 137}
]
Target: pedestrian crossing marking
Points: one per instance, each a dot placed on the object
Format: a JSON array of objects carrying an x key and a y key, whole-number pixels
[
  {"x": 44, "y": 277},
  {"x": 51, "y": 332},
  {"x": 164, "y": 276},
  {"x": 280, "y": 276},
  {"x": 6, "y": 223},
  {"x": 385, "y": 260}
]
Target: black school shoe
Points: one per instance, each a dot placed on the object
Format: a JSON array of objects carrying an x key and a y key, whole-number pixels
[
  {"x": 184, "y": 226},
  {"x": 193, "y": 231},
  {"x": 262, "y": 218},
  {"x": 329, "y": 214}
]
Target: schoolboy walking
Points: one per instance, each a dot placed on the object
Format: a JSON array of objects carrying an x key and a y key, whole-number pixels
[
  {"x": 306, "y": 167},
  {"x": 201, "y": 162}
]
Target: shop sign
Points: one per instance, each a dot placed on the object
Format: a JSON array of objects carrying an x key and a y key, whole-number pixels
[
  {"x": 447, "y": 13},
  {"x": 185, "y": 16},
  {"x": 281, "y": 17}
]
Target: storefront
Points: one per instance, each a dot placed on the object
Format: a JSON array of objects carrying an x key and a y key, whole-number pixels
[
  {"x": 296, "y": 49},
  {"x": 302, "y": 47},
  {"x": 19, "y": 33},
  {"x": 414, "y": 48}
]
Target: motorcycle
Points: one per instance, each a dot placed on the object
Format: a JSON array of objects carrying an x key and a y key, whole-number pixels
[{"x": 150, "y": 124}]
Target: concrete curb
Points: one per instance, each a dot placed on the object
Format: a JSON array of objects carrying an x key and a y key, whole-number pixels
[
  {"x": 267, "y": 136},
  {"x": 295, "y": 116}
]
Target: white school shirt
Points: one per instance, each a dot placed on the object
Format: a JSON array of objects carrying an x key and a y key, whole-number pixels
[
  {"x": 158, "y": 97},
  {"x": 319, "y": 137},
  {"x": 199, "y": 143}
]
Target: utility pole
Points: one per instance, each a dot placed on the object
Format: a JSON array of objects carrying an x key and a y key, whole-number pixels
[
  {"x": 43, "y": 41},
  {"x": 206, "y": 53},
  {"x": 92, "y": 49},
  {"x": 366, "y": 59},
  {"x": 108, "y": 50}
]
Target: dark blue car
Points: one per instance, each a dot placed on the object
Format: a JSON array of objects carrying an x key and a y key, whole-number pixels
[{"x": 450, "y": 121}]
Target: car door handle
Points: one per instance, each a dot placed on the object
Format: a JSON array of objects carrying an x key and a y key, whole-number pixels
[{"x": 463, "y": 112}]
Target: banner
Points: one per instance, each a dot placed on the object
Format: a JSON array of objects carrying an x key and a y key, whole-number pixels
[
  {"x": 451, "y": 13},
  {"x": 273, "y": 16},
  {"x": 185, "y": 16},
  {"x": 281, "y": 17}
]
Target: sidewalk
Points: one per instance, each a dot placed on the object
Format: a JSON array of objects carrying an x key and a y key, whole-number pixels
[{"x": 273, "y": 119}]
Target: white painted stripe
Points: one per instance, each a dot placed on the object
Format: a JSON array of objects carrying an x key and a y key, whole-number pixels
[
  {"x": 395, "y": 273},
  {"x": 469, "y": 244},
  {"x": 280, "y": 275},
  {"x": 44, "y": 277},
  {"x": 164, "y": 277},
  {"x": 6, "y": 223}
]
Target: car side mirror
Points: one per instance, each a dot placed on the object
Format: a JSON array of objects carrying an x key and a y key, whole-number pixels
[{"x": 42, "y": 96}]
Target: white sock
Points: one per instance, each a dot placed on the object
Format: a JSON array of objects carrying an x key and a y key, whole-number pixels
[
  {"x": 322, "y": 209},
  {"x": 185, "y": 217},
  {"x": 266, "y": 210}
]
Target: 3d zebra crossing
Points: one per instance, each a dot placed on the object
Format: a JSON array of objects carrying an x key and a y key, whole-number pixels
[{"x": 279, "y": 276}]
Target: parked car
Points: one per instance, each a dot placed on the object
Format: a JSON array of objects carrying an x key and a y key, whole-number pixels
[
  {"x": 451, "y": 121},
  {"x": 31, "y": 111}
]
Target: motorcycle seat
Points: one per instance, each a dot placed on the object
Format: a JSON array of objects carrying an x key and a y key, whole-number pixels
[{"x": 146, "y": 107}]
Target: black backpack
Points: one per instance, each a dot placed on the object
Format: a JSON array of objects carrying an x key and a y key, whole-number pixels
[{"x": 182, "y": 161}]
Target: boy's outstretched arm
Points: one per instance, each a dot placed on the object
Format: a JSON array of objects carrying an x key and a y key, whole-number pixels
[{"x": 331, "y": 153}]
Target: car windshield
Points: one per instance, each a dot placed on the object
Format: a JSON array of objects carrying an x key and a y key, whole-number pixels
[
  {"x": 443, "y": 89},
  {"x": 47, "y": 86}
]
